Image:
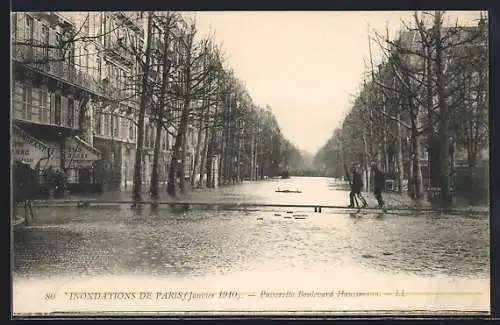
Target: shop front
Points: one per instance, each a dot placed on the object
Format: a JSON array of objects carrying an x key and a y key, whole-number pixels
[
  {"x": 38, "y": 157},
  {"x": 79, "y": 160},
  {"x": 29, "y": 150}
]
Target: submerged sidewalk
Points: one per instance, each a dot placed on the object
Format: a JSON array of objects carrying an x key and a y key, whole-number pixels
[
  {"x": 225, "y": 195},
  {"x": 404, "y": 201}
]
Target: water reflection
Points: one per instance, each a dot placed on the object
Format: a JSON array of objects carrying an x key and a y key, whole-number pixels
[{"x": 191, "y": 241}]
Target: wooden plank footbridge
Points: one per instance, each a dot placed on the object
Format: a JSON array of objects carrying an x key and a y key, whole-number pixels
[{"x": 188, "y": 205}]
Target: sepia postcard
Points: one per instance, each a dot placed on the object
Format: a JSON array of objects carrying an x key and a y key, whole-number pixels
[{"x": 250, "y": 163}]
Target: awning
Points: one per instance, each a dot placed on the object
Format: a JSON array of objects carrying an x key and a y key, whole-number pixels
[
  {"x": 80, "y": 154},
  {"x": 26, "y": 148}
]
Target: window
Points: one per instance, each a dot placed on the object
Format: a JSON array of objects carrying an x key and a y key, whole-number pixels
[
  {"x": 35, "y": 104},
  {"x": 107, "y": 126},
  {"x": 70, "y": 58},
  {"x": 71, "y": 176},
  {"x": 60, "y": 51},
  {"x": 110, "y": 70},
  {"x": 97, "y": 123},
  {"x": 44, "y": 106},
  {"x": 116, "y": 126},
  {"x": 146, "y": 136},
  {"x": 71, "y": 112},
  {"x": 64, "y": 111},
  {"x": 153, "y": 137},
  {"x": 28, "y": 36},
  {"x": 164, "y": 141},
  {"x": 28, "y": 29},
  {"x": 103, "y": 29},
  {"x": 57, "y": 109},
  {"x": 96, "y": 26},
  {"x": 27, "y": 104},
  {"x": 99, "y": 69},
  {"x": 123, "y": 127},
  {"x": 14, "y": 26},
  {"x": 85, "y": 61},
  {"x": 92, "y": 24},
  {"x": 45, "y": 40},
  {"x": 79, "y": 59},
  {"x": 107, "y": 36},
  {"x": 133, "y": 42},
  {"x": 119, "y": 79},
  {"x": 131, "y": 130},
  {"x": 86, "y": 25}
]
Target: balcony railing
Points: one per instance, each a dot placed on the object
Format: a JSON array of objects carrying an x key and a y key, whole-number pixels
[
  {"x": 131, "y": 20},
  {"x": 118, "y": 52},
  {"x": 61, "y": 70}
]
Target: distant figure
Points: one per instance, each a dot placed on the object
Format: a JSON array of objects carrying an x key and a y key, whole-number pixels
[
  {"x": 60, "y": 183},
  {"x": 24, "y": 183},
  {"x": 356, "y": 186},
  {"x": 379, "y": 185}
]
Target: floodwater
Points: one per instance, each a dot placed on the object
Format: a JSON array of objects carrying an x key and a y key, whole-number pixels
[{"x": 440, "y": 262}]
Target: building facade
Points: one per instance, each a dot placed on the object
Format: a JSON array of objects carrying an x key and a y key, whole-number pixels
[
  {"x": 76, "y": 86},
  {"x": 48, "y": 100}
]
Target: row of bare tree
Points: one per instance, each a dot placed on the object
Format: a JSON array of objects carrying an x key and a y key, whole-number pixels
[
  {"x": 246, "y": 139},
  {"x": 430, "y": 92}
]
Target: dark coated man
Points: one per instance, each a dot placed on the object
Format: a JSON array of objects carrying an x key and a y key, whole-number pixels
[
  {"x": 356, "y": 187},
  {"x": 379, "y": 184}
]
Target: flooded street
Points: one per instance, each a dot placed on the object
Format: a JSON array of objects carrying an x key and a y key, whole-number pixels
[{"x": 257, "y": 249}]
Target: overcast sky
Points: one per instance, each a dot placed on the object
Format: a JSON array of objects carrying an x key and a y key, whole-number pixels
[{"x": 306, "y": 65}]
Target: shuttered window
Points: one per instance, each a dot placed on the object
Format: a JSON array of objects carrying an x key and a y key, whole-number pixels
[
  {"x": 64, "y": 111},
  {"x": 28, "y": 37},
  {"x": 116, "y": 127},
  {"x": 45, "y": 39},
  {"x": 97, "y": 123},
  {"x": 71, "y": 112},
  {"x": 27, "y": 102},
  {"x": 18, "y": 100},
  {"x": 44, "y": 106},
  {"x": 57, "y": 109},
  {"x": 14, "y": 26}
]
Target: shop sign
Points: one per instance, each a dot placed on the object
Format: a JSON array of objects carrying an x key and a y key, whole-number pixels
[
  {"x": 27, "y": 149},
  {"x": 79, "y": 154}
]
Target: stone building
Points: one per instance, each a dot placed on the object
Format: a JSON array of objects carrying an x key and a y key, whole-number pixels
[
  {"x": 49, "y": 94},
  {"x": 76, "y": 89}
]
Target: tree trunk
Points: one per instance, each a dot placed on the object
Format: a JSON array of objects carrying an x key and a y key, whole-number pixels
[
  {"x": 239, "y": 163},
  {"x": 137, "y": 182},
  {"x": 204, "y": 157},
  {"x": 366, "y": 163},
  {"x": 154, "y": 186},
  {"x": 182, "y": 172},
  {"x": 400, "y": 157},
  {"x": 222, "y": 159},
  {"x": 176, "y": 152},
  {"x": 446, "y": 195},
  {"x": 197, "y": 149},
  {"x": 252, "y": 158},
  {"x": 210, "y": 151},
  {"x": 384, "y": 144},
  {"x": 156, "y": 157},
  {"x": 416, "y": 169}
]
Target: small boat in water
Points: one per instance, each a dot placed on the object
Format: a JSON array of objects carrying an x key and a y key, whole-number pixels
[{"x": 287, "y": 191}]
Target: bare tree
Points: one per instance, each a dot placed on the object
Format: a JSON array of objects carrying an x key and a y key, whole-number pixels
[
  {"x": 190, "y": 88},
  {"x": 168, "y": 23},
  {"x": 145, "y": 93}
]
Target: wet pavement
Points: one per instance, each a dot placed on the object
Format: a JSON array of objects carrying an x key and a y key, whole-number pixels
[{"x": 116, "y": 241}]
